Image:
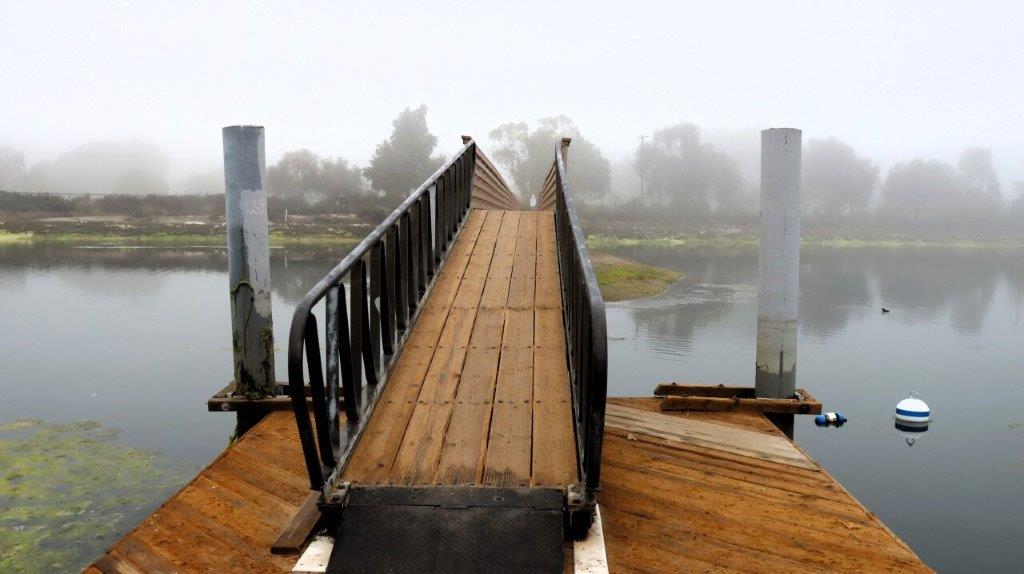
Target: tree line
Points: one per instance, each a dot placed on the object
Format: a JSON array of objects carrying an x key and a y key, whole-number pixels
[
  {"x": 685, "y": 178},
  {"x": 688, "y": 179}
]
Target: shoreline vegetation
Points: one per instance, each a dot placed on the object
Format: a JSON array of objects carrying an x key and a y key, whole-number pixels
[
  {"x": 725, "y": 239},
  {"x": 621, "y": 279},
  {"x": 284, "y": 235}
]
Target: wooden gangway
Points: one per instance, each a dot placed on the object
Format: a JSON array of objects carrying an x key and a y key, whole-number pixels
[
  {"x": 480, "y": 395},
  {"x": 456, "y": 417}
]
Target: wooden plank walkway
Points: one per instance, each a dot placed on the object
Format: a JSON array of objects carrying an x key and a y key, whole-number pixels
[
  {"x": 480, "y": 394},
  {"x": 686, "y": 503}
]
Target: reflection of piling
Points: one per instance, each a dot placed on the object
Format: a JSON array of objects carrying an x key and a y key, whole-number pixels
[
  {"x": 248, "y": 263},
  {"x": 779, "y": 263}
]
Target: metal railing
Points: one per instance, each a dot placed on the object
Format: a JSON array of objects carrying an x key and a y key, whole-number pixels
[
  {"x": 585, "y": 330},
  {"x": 388, "y": 275}
]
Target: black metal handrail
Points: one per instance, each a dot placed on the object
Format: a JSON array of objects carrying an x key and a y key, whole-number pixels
[
  {"x": 585, "y": 331},
  {"x": 400, "y": 258}
]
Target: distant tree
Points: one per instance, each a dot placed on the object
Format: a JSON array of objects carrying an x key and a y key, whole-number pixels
[
  {"x": 681, "y": 171},
  {"x": 305, "y": 174},
  {"x": 12, "y": 169},
  {"x": 527, "y": 155},
  {"x": 134, "y": 167},
  {"x": 205, "y": 183},
  {"x": 979, "y": 174},
  {"x": 404, "y": 160},
  {"x": 929, "y": 191},
  {"x": 139, "y": 182},
  {"x": 296, "y": 173},
  {"x": 836, "y": 182}
]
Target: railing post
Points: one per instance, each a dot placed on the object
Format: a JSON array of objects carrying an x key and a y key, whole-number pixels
[
  {"x": 249, "y": 262},
  {"x": 778, "y": 285}
]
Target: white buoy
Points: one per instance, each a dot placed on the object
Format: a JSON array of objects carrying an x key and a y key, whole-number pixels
[{"x": 913, "y": 410}]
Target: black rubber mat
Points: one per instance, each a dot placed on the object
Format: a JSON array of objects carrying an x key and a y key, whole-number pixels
[{"x": 464, "y": 529}]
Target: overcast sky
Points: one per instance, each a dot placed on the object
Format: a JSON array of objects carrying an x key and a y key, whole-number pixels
[{"x": 896, "y": 80}]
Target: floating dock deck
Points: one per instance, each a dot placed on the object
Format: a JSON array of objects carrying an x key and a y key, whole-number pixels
[{"x": 718, "y": 492}]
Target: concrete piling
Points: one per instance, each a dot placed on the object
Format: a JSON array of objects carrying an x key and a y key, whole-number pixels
[
  {"x": 779, "y": 268},
  {"x": 252, "y": 330}
]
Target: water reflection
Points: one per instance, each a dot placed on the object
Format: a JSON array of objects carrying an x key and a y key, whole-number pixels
[
  {"x": 293, "y": 271},
  {"x": 837, "y": 286}
]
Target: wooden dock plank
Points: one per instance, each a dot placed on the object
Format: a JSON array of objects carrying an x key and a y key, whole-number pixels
[
  {"x": 686, "y": 498},
  {"x": 466, "y": 436},
  {"x": 524, "y": 267},
  {"x": 495, "y": 294},
  {"x": 554, "y": 447},
  {"x": 738, "y": 441},
  {"x": 419, "y": 454},
  {"x": 510, "y": 442}
]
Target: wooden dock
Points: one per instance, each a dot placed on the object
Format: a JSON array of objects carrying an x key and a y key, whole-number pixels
[
  {"x": 491, "y": 392},
  {"x": 718, "y": 492}
]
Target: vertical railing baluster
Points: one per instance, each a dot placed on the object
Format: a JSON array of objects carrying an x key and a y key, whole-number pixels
[
  {"x": 372, "y": 376},
  {"x": 357, "y": 310},
  {"x": 350, "y": 377},
  {"x": 297, "y": 392},
  {"x": 426, "y": 273},
  {"x": 396, "y": 263},
  {"x": 378, "y": 260},
  {"x": 449, "y": 209},
  {"x": 416, "y": 268},
  {"x": 375, "y": 318},
  {"x": 333, "y": 367},
  {"x": 316, "y": 393},
  {"x": 408, "y": 273},
  {"x": 442, "y": 214}
]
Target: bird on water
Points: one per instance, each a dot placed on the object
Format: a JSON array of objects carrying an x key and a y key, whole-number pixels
[{"x": 884, "y": 310}]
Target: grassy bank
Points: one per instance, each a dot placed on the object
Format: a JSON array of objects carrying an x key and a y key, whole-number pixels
[
  {"x": 602, "y": 241},
  {"x": 621, "y": 278},
  {"x": 170, "y": 238}
]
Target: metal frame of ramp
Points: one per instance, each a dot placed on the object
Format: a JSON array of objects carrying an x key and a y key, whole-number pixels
[{"x": 444, "y": 529}]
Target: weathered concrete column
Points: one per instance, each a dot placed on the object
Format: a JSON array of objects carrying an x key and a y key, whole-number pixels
[
  {"x": 252, "y": 333},
  {"x": 778, "y": 285}
]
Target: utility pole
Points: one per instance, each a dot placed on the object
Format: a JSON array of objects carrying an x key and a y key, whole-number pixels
[{"x": 642, "y": 138}]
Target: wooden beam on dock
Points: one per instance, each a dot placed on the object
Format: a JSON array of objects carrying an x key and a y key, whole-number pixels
[
  {"x": 736, "y": 399},
  {"x": 296, "y": 532},
  {"x": 225, "y": 400}
]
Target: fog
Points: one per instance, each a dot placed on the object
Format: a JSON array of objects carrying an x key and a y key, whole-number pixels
[{"x": 896, "y": 82}]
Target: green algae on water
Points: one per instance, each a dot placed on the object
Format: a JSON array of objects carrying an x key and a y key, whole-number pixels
[{"x": 68, "y": 491}]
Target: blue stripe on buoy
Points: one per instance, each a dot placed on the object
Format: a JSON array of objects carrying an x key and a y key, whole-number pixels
[{"x": 912, "y": 413}]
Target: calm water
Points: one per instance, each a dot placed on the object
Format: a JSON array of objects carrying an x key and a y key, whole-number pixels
[{"x": 139, "y": 339}]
